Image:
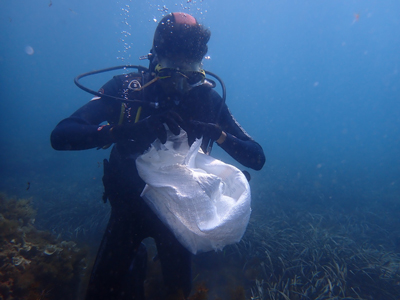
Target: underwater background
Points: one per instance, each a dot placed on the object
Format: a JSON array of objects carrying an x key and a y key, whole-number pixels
[{"x": 316, "y": 83}]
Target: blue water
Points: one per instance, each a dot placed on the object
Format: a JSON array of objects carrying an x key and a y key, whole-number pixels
[{"x": 316, "y": 83}]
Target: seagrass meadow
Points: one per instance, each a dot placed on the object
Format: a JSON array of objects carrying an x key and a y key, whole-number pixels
[{"x": 303, "y": 255}]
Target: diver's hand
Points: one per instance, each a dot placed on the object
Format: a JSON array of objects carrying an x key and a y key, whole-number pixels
[
  {"x": 151, "y": 127},
  {"x": 155, "y": 124},
  {"x": 200, "y": 129}
]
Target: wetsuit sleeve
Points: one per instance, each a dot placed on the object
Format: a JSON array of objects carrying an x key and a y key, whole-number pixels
[
  {"x": 82, "y": 130},
  {"x": 238, "y": 143}
]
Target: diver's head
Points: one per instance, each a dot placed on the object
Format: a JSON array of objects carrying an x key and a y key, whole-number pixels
[
  {"x": 179, "y": 46},
  {"x": 179, "y": 38}
]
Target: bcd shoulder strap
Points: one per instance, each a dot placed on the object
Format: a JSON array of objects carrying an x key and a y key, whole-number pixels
[{"x": 132, "y": 89}]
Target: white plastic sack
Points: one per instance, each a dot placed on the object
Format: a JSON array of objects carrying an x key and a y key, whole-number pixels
[{"x": 205, "y": 202}]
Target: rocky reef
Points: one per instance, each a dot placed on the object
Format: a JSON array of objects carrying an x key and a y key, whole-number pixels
[{"x": 33, "y": 263}]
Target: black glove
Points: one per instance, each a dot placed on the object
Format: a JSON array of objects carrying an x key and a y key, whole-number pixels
[
  {"x": 148, "y": 129},
  {"x": 198, "y": 129},
  {"x": 155, "y": 124}
]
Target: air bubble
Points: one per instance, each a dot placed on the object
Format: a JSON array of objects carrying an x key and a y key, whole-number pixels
[{"x": 29, "y": 50}]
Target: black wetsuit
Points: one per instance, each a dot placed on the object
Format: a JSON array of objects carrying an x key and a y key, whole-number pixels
[{"x": 120, "y": 257}]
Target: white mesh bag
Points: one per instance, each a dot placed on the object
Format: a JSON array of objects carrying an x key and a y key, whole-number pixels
[{"x": 204, "y": 201}]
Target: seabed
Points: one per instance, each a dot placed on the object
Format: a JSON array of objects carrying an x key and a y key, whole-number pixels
[{"x": 287, "y": 253}]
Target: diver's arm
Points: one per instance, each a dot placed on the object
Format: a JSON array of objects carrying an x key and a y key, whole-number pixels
[
  {"x": 238, "y": 144},
  {"x": 82, "y": 130},
  {"x": 249, "y": 153}
]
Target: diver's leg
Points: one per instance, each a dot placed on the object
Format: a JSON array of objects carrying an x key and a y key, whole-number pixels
[
  {"x": 134, "y": 281},
  {"x": 175, "y": 262},
  {"x": 115, "y": 260}
]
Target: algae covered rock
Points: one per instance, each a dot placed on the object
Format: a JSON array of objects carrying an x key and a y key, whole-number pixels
[{"x": 33, "y": 263}]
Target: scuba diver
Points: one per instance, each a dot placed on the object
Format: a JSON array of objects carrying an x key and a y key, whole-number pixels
[{"x": 173, "y": 91}]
